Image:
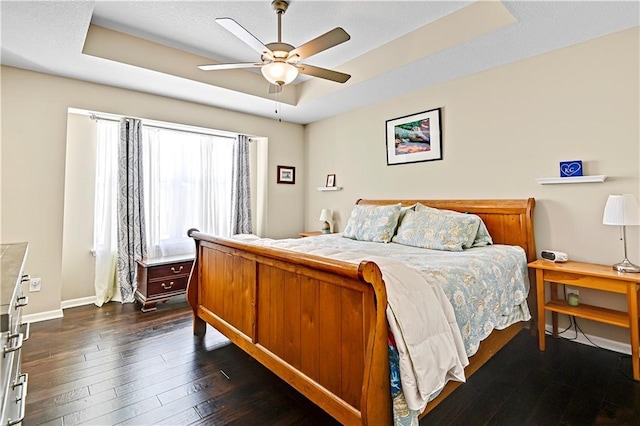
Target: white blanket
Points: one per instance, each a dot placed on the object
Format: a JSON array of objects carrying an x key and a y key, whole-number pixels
[{"x": 424, "y": 326}]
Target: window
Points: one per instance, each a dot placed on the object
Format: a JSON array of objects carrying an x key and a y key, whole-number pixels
[{"x": 187, "y": 184}]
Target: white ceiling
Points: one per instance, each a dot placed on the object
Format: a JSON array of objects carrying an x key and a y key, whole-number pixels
[{"x": 49, "y": 37}]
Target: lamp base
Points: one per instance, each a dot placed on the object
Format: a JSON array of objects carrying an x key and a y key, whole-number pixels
[
  {"x": 626, "y": 266},
  {"x": 326, "y": 229}
]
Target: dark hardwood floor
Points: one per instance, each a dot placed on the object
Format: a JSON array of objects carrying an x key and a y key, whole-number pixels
[{"x": 116, "y": 365}]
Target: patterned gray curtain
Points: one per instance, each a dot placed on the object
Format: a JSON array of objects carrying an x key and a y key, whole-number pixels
[
  {"x": 131, "y": 224},
  {"x": 240, "y": 188}
]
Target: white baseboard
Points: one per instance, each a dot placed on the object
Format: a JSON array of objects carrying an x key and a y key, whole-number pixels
[
  {"x": 77, "y": 302},
  {"x": 43, "y": 316},
  {"x": 58, "y": 313},
  {"x": 612, "y": 345}
]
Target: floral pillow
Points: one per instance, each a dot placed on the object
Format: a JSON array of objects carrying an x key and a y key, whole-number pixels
[
  {"x": 373, "y": 223},
  {"x": 482, "y": 237},
  {"x": 404, "y": 210},
  {"x": 437, "y": 230}
]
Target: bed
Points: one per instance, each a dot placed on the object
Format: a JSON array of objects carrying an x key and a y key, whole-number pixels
[{"x": 319, "y": 322}]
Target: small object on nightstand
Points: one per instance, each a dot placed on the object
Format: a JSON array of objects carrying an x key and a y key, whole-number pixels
[
  {"x": 325, "y": 218},
  {"x": 572, "y": 299},
  {"x": 554, "y": 256}
]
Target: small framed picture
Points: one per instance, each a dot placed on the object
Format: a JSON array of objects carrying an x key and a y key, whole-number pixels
[
  {"x": 286, "y": 174},
  {"x": 331, "y": 180}
]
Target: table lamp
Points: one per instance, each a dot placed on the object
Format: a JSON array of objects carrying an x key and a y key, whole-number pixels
[
  {"x": 622, "y": 210},
  {"x": 325, "y": 217}
]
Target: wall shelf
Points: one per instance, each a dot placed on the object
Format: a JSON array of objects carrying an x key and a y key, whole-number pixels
[
  {"x": 574, "y": 179},
  {"x": 329, "y": 188}
]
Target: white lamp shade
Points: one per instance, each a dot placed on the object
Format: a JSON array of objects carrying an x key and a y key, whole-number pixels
[
  {"x": 279, "y": 73},
  {"x": 621, "y": 210},
  {"x": 325, "y": 215}
]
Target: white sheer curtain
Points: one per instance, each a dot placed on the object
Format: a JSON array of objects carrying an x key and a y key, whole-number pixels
[
  {"x": 188, "y": 185},
  {"x": 105, "y": 243}
]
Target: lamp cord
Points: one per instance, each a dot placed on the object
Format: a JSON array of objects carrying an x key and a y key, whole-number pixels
[{"x": 573, "y": 323}]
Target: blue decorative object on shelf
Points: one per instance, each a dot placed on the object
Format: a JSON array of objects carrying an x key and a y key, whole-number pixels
[{"x": 571, "y": 168}]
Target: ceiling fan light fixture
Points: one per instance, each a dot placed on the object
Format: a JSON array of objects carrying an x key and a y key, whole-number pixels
[
  {"x": 279, "y": 73},
  {"x": 281, "y": 62}
]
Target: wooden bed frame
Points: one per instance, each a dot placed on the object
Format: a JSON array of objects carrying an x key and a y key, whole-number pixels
[{"x": 320, "y": 323}]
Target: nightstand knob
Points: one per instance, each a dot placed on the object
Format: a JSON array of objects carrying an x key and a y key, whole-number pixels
[
  {"x": 167, "y": 287},
  {"x": 178, "y": 270}
]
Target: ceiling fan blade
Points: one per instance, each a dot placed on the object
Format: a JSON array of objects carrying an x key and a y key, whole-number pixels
[
  {"x": 239, "y": 31},
  {"x": 323, "y": 73},
  {"x": 216, "y": 67},
  {"x": 320, "y": 43}
]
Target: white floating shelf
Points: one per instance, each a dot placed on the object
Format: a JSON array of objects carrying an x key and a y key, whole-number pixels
[
  {"x": 329, "y": 188},
  {"x": 574, "y": 179}
]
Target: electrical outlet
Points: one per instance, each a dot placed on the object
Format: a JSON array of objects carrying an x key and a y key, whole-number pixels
[
  {"x": 34, "y": 284},
  {"x": 573, "y": 290}
]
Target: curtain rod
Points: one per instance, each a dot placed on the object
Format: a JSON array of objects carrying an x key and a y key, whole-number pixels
[
  {"x": 187, "y": 131},
  {"x": 96, "y": 118}
]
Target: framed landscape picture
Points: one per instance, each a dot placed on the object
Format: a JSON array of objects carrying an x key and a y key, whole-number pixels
[
  {"x": 414, "y": 138},
  {"x": 286, "y": 174}
]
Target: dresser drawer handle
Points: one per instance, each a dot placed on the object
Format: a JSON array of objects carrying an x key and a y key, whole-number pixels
[
  {"x": 22, "y": 399},
  {"x": 167, "y": 287},
  {"x": 177, "y": 271},
  {"x": 17, "y": 346},
  {"x": 22, "y": 301}
]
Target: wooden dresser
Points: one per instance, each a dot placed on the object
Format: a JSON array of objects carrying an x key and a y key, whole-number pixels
[
  {"x": 162, "y": 278},
  {"x": 13, "y": 382}
]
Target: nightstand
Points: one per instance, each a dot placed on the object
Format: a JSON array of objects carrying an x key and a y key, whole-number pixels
[
  {"x": 161, "y": 279},
  {"x": 310, "y": 233},
  {"x": 595, "y": 277}
]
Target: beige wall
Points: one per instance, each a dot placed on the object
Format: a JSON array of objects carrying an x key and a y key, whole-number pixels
[
  {"x": 34, "y": 131},
  {"x": 79, "y": 193},
  {"x": 502, "y": 129}
]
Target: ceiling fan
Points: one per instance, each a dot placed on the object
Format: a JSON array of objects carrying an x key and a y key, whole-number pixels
[{"x": 281, "y": 62}]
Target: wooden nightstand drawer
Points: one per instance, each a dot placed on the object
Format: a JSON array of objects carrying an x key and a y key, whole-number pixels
[
  {"x": 172, "y": 269},
  {"x": 167, "y": 285},
  {"x": 162, "y": 278}
]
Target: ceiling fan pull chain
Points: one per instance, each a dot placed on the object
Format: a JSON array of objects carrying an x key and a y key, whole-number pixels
[{"x": 278, "y": 106}]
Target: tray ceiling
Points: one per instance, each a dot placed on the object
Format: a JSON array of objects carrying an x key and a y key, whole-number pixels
[{"x": 396, "y": 47}]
